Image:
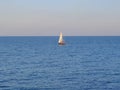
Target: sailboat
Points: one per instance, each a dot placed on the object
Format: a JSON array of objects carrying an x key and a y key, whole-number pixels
[{"x": 61, "y": 41}]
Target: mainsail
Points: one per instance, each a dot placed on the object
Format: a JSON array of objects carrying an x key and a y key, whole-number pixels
[
  {"x": 61, "y": 41},
  {"x": 60, "y": 38}
]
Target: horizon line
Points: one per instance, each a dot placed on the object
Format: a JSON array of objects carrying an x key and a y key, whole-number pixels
[{"x": 58, "y": 35}]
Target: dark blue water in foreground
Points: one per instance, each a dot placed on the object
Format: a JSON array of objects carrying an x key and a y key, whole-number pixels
[{"x": 38, "y": 63}]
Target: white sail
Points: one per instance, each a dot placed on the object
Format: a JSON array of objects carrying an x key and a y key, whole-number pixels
[{"x": 60, "y": 38}]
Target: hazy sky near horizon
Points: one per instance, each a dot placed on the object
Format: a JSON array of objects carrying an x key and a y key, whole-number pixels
[{"x": 49, "y": 17}]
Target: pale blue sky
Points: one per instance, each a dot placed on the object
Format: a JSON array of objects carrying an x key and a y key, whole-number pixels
[{"x": 49, "y": 17}]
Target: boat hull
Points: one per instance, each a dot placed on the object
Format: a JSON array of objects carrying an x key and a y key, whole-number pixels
[{"x": 61, "y": 43}]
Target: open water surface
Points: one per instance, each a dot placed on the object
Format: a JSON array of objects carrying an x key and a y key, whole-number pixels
[{"x": 39, "y": 63}]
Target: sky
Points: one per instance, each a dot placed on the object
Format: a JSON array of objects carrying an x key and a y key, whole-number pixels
[{"x": 50, "y": 17}]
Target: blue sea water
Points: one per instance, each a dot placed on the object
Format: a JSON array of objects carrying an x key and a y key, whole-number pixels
[{"x": 39, "y": 63}]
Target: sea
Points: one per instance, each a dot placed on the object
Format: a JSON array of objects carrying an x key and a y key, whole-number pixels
[{"x": 39, "y": 63}]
